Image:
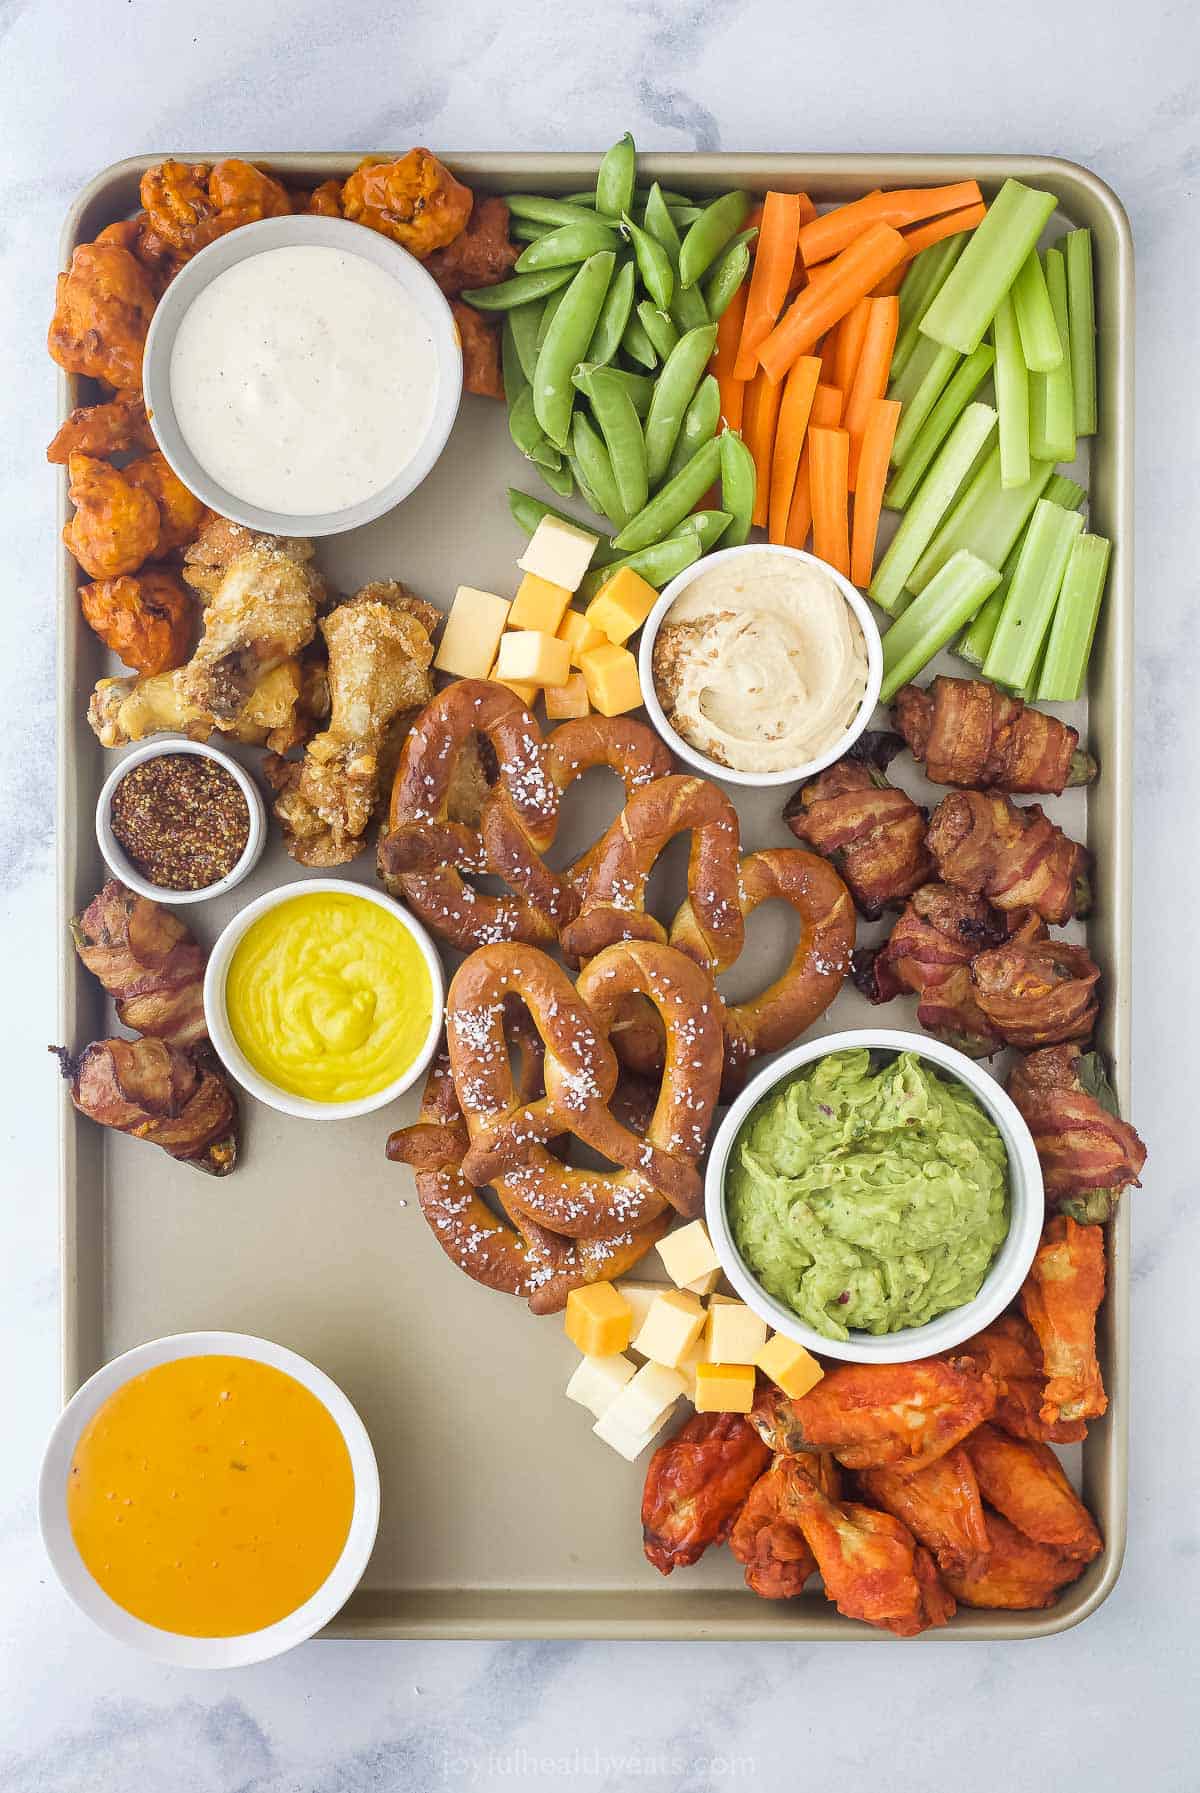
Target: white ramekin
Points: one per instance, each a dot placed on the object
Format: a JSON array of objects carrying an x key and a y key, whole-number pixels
[
  {"x": 170, "y": 1646},
  {"x": 726, "y": 774},
  {"x": 117, "y": 859},
  {"x": 1010, "y": 1265},
  {"x": 235, "y": 1060},
  {"x": 290, "y": 233}
]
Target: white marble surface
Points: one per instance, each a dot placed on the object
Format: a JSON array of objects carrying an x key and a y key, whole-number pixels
[{"x": 84, "y": 82}]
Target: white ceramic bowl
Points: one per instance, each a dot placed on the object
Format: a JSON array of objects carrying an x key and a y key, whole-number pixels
[
  {"x": 1010, "y": 1265},
  {"x": 117, "y": 859},
  {"x": 289, "y": 233},
  {"x": 710, "y": 768},
  {"x": 170, "y": 1646},
  {"x": 235, "y": 1060}
]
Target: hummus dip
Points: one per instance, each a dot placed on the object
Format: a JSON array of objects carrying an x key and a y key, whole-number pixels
[{"x": 761, "y": 663}]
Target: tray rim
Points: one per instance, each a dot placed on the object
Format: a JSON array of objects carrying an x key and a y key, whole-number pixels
[{"x": 563, "y": 169}]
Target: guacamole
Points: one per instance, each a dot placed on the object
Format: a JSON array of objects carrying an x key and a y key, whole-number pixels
[{"x": 868, "y": 1199}]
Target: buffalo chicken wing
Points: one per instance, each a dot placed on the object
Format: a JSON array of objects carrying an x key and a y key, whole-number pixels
[
  {"x": 696, "y": 1484},
  {"x": 1025, "y": 1481},
  {"x": 902, "y": 1415},
  {"x": 771, "y": 1548},
  {"x": 1060, "y": 1296},
  {"x": 1017, "y": 1575},
  {"x": 940, "y": 1505}
]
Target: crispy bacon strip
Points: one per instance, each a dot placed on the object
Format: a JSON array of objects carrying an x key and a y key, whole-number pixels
[
  {"x": 155, "y": 1092},
  {"x": 1037, "y": 991},
  {"x": 696, "y": 1485},
  {"x": 1016, "y": 858},
  {"x": 873, "y": 833},
  {"x": 1061, "y": 1294},
  {"x": 969, "y": 732},
  {"x": 930, "y": 951},
  {"x": 147, "y": 961},
  {"x": 1088, "y": 1153}
]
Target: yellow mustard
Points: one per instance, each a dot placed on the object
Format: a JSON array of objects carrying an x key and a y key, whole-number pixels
[{"x": 329, "y": 996}]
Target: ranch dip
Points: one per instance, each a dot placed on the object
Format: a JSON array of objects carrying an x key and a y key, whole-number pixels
[
  {"x": 760, "y": 663},
  {"x": 303, "y": 379}
]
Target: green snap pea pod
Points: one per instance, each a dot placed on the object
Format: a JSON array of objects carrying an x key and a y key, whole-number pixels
[
  {"x": 580, "y": 477},
  {"x": 520, "y": 290},
  {"x": 586, "y": 198},
  {"x": 673, "y": 391},
  {"x": 527, "y": 432},
  {"x": 654, "y": 264},
  {"x": 672, "y": 502},
  {"x": 560, "y": 480},
  {"x": 738, "y": 482},
  {"x": 547, "y": 315},
  {"x": 640, "y": 387},
  {"x": 700, "y": 422},
  {"x": 550, "y": 211},
  {"x": 615, "y": 178},
  {"x": 522, "y": 322},
  {"x": 614, "y": 315},
  {"x": 528, "y": 511},
  {"x": 594, "y": 470},
  {"x": 707, "y": 526},
  {"x": 622, "y": 432},
  {"x": 566, "y": 343},
  {"x": 525, "y": 230},
  {"x": 658, "y": 564},
  {"x": 642, "y": 194},
  {"x": 683, "y": 215},
  {"x": 728, "y": 273},
  {"x": 659, "y": 327},
  {"x": 515, "y": 379},
  {"x": 688, "y": 308},
  {"x": 710, "y": 234},
  {"x": 566, "y": 247},
  {"x": 657, "y": 220},
  {"x": 637, "y": 344}
]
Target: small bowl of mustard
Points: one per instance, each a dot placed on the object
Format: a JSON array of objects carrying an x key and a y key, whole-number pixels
[
  {"x": 179, "y": 821},
  {"x": 324, "y": 999}
]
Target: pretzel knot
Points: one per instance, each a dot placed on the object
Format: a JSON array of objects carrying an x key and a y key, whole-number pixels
[{"x": 509, "y": 1136}]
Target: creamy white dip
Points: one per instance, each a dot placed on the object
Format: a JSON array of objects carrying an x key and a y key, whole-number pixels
[
  {"x": 760, "y": 663},
  {"x": 303, "y": 379}
]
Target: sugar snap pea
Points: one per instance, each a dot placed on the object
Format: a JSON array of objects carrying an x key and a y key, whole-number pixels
[
  {"x": 637, "y": 344},
  {"x": 640, "y": 387},
  {"x": 729, "y": 270},
  {"x": 673, "y": 390},
  {"x": 710, "y": 233},
  {"x": 527, "y": 432},
  {"x": 658, "y": 564},
  {"x": 672, "y": 502},
  {"x": 615, "y": 178},
  {"x": 526, "y": 230},
  {"x": 700, "y": 422},
  {"x": 738, "y": 483},
  {"x": 614, "y": 315},
  {"x": 520, "y": 290},
  {"x": 683, "y": 215},
  {"x": 512, "y": 373},
  {"x": 547, "y": 315},
  {"x": 566, "y": 343},
  {"x": 580, "y": 477},
  {"x": 550, "y": 211},
  {"x": 560, "y": 480},
  {"x": 566, "y": 247},
  {"x": 594, "y": 470},
  {"x": 619, "y": 425},
  {"x": 657, "y": 219},
  {"x": 522, "y": 321},
  {"x": 659, "y": 327},
  {"x": 708, "y": 526},
  {"x": 687, "y": 308},
  {"x": 654, "y": 264},
  {"x": 528, "y": 511},
  {"x": 642, "y": 194}
]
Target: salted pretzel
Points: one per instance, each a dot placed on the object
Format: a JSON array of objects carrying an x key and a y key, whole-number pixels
[
  {"x": 510, "y": 1136},
  {"x": 426, "y": 849}
]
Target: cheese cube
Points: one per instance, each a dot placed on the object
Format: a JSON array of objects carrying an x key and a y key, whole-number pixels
[
  {"x": 559, "y": 553},
  {"x": 597, "y": 1320},
  {"x": 612, "y": 679},
  {"x": 672, "y": 1326},
  {"x": 641, "y": 1297},
  {"x": 704, "y": 1285},
  {"x": 788, "y": 1364},
  {"x": 526, "y": 693},
  {"x": 538, "y": 605},
  {"x": 645, "y": 1402},
  {"x": 688, "y": 1365},
  {"x": 598, "y": 1381},
  {"x": 687, "y": 1253},
  {"x": 622, "y": 605},
  {"x": 579, "y": 634},
  {"x": 724, "y": 1387},
  {"x": 629, "y": 1444},
  {"x": 532, "y": 656},
  {"x": 566, "y": 701},
  {"x": 734, "y": 1333},
  {"x": 472, "y": 633}
]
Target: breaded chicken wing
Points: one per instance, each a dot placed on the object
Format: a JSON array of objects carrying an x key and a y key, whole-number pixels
[
  {"x": 1060, "y": 1296},
  {"x": 940, "y": 1505},
  {"x": 1025, "y": 1481},
  {"x": 263, "y": 613},
  {"x": 103, "y": 306},
  {"x": 872, "y": 1415},
  {"x": 773, "y": 1549},
  {"x": 180, "y": 512},
  {"x": 1017, "y": 1575},
  {"x": 122, "y": 710},
  {"x": 189, "y": 205},
  {"x": 103, "y": 430},
  {"x": 480, "y": 351},
  {"x": 116, "y": 525},
  {"x": 146, "y": 618},
  {"x": 481, "y": 255},
  {"x": 1009, "y": 1353},
  {"x": 415, "y": 200},
  {"x": 324, "y": 201},
  {"x": 220, "y": 541},
  {"x": 696, "y": 1484}
]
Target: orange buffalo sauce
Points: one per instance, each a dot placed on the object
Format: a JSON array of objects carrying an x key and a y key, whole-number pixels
[{"x": 211, "y": 1496}]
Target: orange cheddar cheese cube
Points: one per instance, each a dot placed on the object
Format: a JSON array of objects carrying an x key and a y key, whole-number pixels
[
  {"x": 622, "y": 605},
  {"x": 539, "y": 604},
  {"x": 788, "y": 1364},
  {"x": 532, "y": 657},
  {"x": 598, "y": 1320},
  {"x": 611, "y": 674},
  {"x": 566, "y": 701},
  {"x": 472, "y": 633},
  {"x": 579, "y": 634},
  {"x": 724, "y": 1387}
]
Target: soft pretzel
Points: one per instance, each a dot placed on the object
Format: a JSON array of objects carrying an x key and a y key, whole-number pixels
[{"x": 510, "y": 1135}]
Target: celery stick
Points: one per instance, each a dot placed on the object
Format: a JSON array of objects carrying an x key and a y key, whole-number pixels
[
  {"x": 922, "y": 402},
  {"x": 1032, "y": 594},
  {"x": 1041, "y": 345},
  {"x": 930, "y": 505},
  {"x": 1081, "y": 314},
  {"x": 987, "y": 267},
  {"x": 921, "y": 360},
  {"x": 1064, "y": 670},
  {"x": 967, "y": 379},
  {"x": 1012, "y": 397},
  {"x": 922, "y": 283},
  {"x": 987, "y": 519},
  {"x": 974, "y": 643},
  {"x": 1051, "y": 396},
  {"x": 945, "y": 605}
]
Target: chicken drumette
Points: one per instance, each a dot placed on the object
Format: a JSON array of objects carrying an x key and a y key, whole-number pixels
[
  {"x": 696, "y": 1485},
  {"x": 1061, "y": 1294},
  {"x": 940, "y": 1505},
  {"x": 771, "y": 1547},
  {"x": 872, "y": 1415}
]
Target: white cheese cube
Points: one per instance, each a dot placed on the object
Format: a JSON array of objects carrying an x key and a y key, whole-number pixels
[
  {"x": 646, "y": 1401},
  {"x": 629, "y": 1444},
  {"x": 598, "y": 1381},
  {"x": 672, "y": 1326},
  {"x": 687, "y": 1367},
  {"x": 641, "y": 1296},
  {"x": 472, "y": 633},
  {"x": 530, "y": 656},
  {"x": 559, "y": 552},
  {"x": 734, "y": 1334},
  {"x": 704, "y": 1285},
  {"x": 688, "y": 1254}
]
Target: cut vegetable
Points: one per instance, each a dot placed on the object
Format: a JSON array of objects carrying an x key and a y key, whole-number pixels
[
  {"x": 931, "y": 620},
  {"x": 774, "y": 259},
  {"x": 1064, "y": 668},
  {"x": 724, "y": 360},
  {"x": 882, "y": 419},
  {"x": 836, "y": 230},
  {"x": 907, "y": 384},
  {"x": 763, "y": 399},
  {"x": 925, "y": 278},
  {"x": 849, "y": 278},
  {"x": 826, "y": 413},
  {"x": 851, "y": 333},
  {"x": 795, "y": 406},
  {"x": 968, "y": 378},
  {"x": 1012, "y": 396},
  {"x": 918, "y": 407},
  {"x": 988, "y": 266},
  {"x": 871, "y": 372},
  {"x": 986, "y": 518},
  {"x": 976, "y": 641},
  {"x": 954, "y": 224},
  {"x": 1029, "y": 606},
  {"x": 1051, "y": 395},
  {"x": 930, "y": 505},
  {"x": 1041, "y": 345},
  {"x": 1081, "y": 313},
  {"x": 830, "y": 459}
]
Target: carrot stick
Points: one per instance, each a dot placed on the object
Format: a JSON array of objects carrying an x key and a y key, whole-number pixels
[
  {"x": 829, "y": 349},
  {"x": 850, "y": 335},
  {"x": 774, "y": 259},
  {"x": 798, "y": 390},
  {"x": 871, "y": 373},
  {"x": 891, "y": 283},
  {"x": 808, "y": 210},
  {"x": 758, "y": 432},
  {"x": 949, "y": 226},
  {"x": 850, "y": 278},
  {"x": 830, "y": 451},
  {"x": 830, "y": 234},
  {"x": 827, "y": 413},
  {"x": 729, "y": 330},
  {"x": 874, "y": 457}
]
